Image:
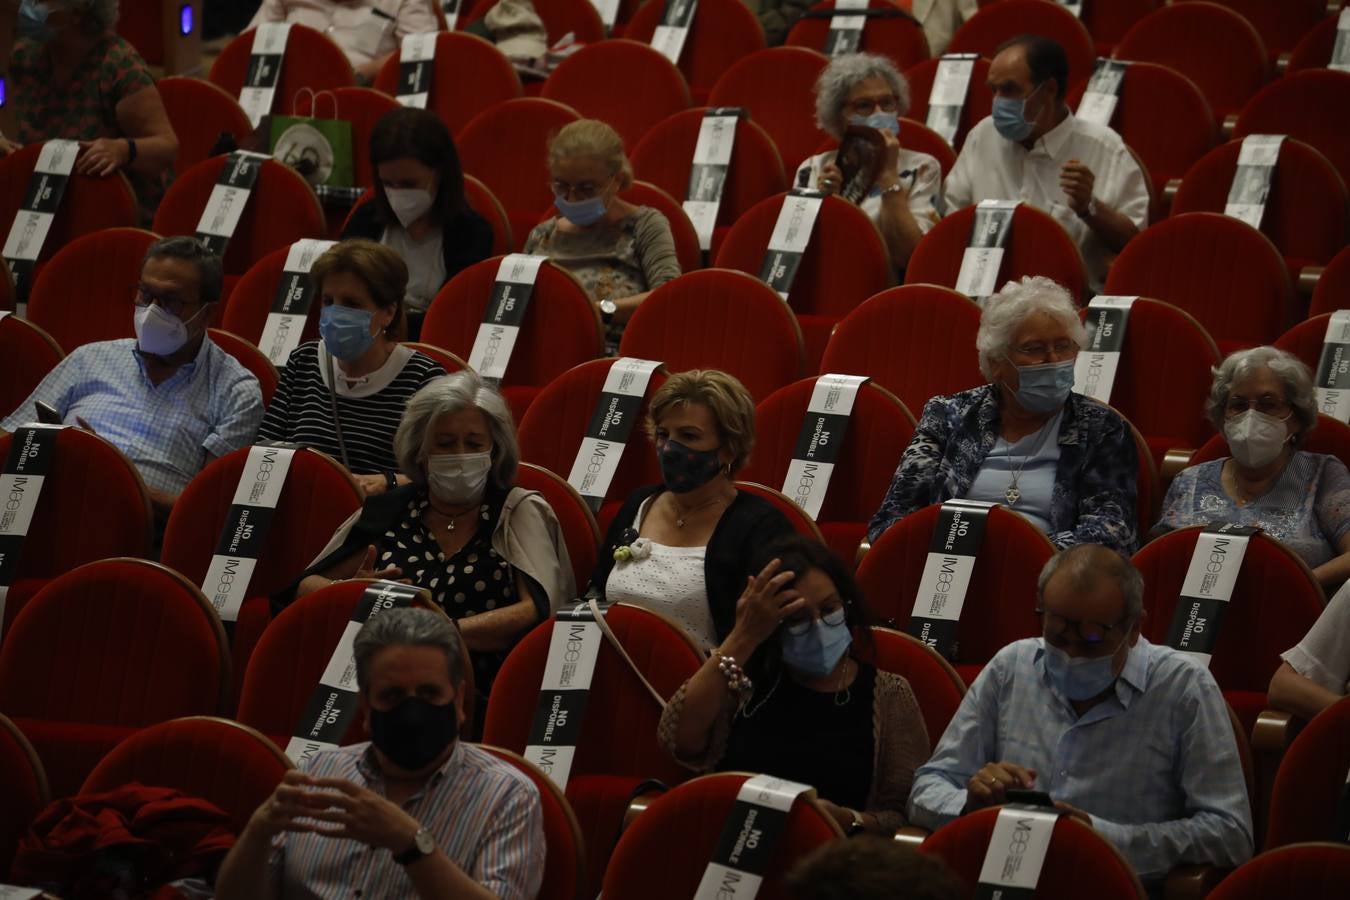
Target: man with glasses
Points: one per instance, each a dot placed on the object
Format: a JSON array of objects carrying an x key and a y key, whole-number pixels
[
  {"x": 1132, "y": 739},
  {"x": 170, "y": 399}
]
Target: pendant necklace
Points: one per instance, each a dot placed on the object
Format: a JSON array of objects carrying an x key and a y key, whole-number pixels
[
  {"x": 1012, "y": 493},
  {"x": 459, "y": 515},
  {"x": 681, "y": 517}
]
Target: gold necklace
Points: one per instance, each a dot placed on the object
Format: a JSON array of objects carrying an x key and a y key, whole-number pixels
[
  {"x": 680, "y": 518},
  {"x": 452, "y": 517}
]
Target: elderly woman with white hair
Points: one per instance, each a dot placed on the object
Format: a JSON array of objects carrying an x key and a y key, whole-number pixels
[
  {"x": 1263, "y": 403},
  {"x": 864, "y": 89},
  {"x": 491, "y": 554},
  {"x": 1025, "y": 440}
]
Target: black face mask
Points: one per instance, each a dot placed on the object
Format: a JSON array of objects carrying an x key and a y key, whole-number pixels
[
  {"x": 684, "y": 470},
  {"x": 414, "y": 732}
]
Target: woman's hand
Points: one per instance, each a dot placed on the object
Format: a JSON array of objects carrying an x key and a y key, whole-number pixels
[
  {"x": 367, "y": 569},
  {"x": 764, "y": 604},
  {"x": 7, "y": 146},
  {"x": 372, "y": 484},
  {"x": 831, "y": 179},
  {"x": 103, "y": 156}
]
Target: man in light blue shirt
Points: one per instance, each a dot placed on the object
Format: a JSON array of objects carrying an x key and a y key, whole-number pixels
[
  {"x": 1132, "y": 739},
  {"x": 171, "y": 400}
]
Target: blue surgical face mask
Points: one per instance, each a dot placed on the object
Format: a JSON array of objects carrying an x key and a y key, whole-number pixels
[
  {"x": 1044, "y": 388},
  {"x": 815, "y": 648},
  {"x": 346, "y": 331},
  {"x": 1080, "y": 678},
  {"x": 880, "y": 120},
  {"x": 583, "y": 213},
  {"x": 1010, "y": 116},
  {"x": 32, "y": 22}
]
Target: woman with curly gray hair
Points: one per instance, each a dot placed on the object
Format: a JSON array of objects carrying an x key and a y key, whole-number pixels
[
  {"x": 866, "y": 90},
  {"x": 1262, "y": 402}
]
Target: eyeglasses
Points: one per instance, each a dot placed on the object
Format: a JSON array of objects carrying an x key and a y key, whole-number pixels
[
  {"x": 584, "y": 190},
  {"x": 165, "y": 300},
  {"x": 1269, "y": 404},
  {"x": 1092, "y": 634},
  {"x": 866, "y": 105},
  {"x": 801, "y": 626},
  {"x": 1042, "y": 349}
]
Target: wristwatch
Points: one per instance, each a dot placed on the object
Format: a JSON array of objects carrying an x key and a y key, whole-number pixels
[
  {"x": 423, "y": 845},
  {"x": 1091, "y": 211},
  {"x": 607, "y": 310}
]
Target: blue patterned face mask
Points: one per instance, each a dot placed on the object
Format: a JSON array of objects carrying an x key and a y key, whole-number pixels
[
  {"x": 346, "y": 331},
  {"x": 815, "y": 648}
]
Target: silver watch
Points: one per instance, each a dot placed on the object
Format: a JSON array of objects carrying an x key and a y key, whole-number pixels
[{"x": 423, "y": 845}]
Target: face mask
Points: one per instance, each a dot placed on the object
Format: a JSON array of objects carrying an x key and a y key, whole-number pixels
[
  {"x": 1255, "y": 439},
  {"x": 159, "y": 332},
  {"x": 582, "y": 214},
  {"x": 684, "y": 470},
  {"x": 1010, "y": 117},
  {"x": 458, "y": 477},
  {"x": 415, "y": 732},
  {"x": 880, "y": 120},
  {"x": 1044, "y": 388},
  {"x": 1080, "y": 678},
  {"x": 32, "y": 21},
  {"x": 346, "y": 331},
  {"x": 409, "y": 204},
  {"x": 818, "y": 649}
]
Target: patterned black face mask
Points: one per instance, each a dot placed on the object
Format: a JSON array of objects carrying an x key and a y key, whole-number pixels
[{"x": 684, "y": 470}]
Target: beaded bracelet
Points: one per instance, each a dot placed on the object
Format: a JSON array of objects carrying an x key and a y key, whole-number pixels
[{"x": 736, "y": 678}]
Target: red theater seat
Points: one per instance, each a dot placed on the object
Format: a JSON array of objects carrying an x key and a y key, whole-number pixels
[
  {"x": 23, "y": 783},
  {"x": 361, "y": 108},
  {"x": 250, "y": 303},
  {"x": 1304, "y": 870},
  {"x": 628, "y": 84},
  {"x": 887, "y": 32},
  {"x": 200, "y": 112},
  {"x": 580, "y": 532},
  {"x": 1281, "y": 24},
  {"x": 723, "y": 31},
  {"x": 312, "y": 61},
  {"x": 251, "y": 358},
  {"x": 461, "y": 59},
  {"x": 1333, "y": 286},
  {"x": 1313, "y": 51},
  {"x": 30, "y": 354},
  {"x": 565, "y": 860},
  {"x": 777, "y": 86},
  {"x": 1107, "y": 22},
  {"x": 936, "y": 685},
  {"x": 979, "y": 99},
  {"x": 1310, "y": 780},
  {"x": 801, "y": 523},
  {"x": 985, "y": 31},
  {"x": 1303, "y": 105},
  {"x": 641, "y": 193},
  {"x": 1331, "y": 436}
]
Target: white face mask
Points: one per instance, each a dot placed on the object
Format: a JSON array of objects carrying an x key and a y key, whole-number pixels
[
  {"x": 1255, "y": 439},
  {"x": 409, "y": 204},
  {"x": 158, "y": 332},
  {"x": 458, "y": 477}
]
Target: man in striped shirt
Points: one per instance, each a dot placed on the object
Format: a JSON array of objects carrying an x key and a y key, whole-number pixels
[{"x": 413, "y": 813}]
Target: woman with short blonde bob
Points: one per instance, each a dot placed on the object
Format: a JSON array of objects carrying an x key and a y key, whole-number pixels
[
  {"x": 683, "y": 547},
  {"x": 619, "y": 252}
]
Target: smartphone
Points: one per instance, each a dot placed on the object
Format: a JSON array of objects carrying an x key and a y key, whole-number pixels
[
  {"x": 47, "y": 414},
  {"x": 1029, "y": 798}
]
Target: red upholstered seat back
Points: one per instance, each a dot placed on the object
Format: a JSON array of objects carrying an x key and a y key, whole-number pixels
[
  {"x": 1077, "y": 856},
  {"x": 579, "y": 17},
  {"x": 1282, "y": 24},
  {"x": 979, "y": 100},
  {"x": 879, "y": 429},
  {"x": 803, "y": 524},
  {"x": 1333, "y": 286},
  {"x": 922, "y": 139},
  {"x": 565, "y": 861},
  {"x": 1310, "y": 780},
  {"x": 245, "y": 312},
  {"x": 1036, "y": 245},
  {"x": 649, "y": 90},
  {"x": 898, "y": 37},
  {"x": 985, "y": 31},
  {"x": 1330, "y": 436},
  {"x": 461, "y": 59},
  {"x": 1000, "y": 602},
  {"x": 84, "y": 294},
  {"x": 485, "y": 203},
  {"x": 312, "y": 60},
  {"x": 1313, "y": 51},
  {"x": 281, "y": 209},
  {"x": 1306, "y": 210},
  {"x": 1307, "y": 870},
  {"x": 1305, "y": 339},
  {"x": 642, "y": 193},
  {"x": 200, "y": 112},
  {"x": 360, "y": 107},
  {"x": 1108, "y": 22},
  {"x": 1223, "y": 272},
  {"x": 1300, "y": 105},
  {"x": 251, "y": 358},
  {"x": 23, "y": 784},
  {"x": 777, "y": 86},
  {"x": 649, "y": 864},
  {"x": 936, "y": 685},
  {"x": 1274, "y": 603},
  {"x": 223, "y": 762},
  {"x": 29, "y": 353},
  {"x": 580, "y": 532},
  {"x": 916, "y": 341},
  {"x": 719, "y": 319},
  {"x": 723, "y": 31}
]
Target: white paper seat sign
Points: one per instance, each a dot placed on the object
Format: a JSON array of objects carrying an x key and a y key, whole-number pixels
[
  {"x": 1208, "y": 587},
  {"x": 35, "y": 215},
  {"x": 496, "y": 337},
  {"x": 983, "y": 258},
  {"x": 572, "y": 652},
  {"x": 292, "y": 301},
  {"x": 820, "y": 440},
  {"x": 416, "y": 66},
  {"x": 845, "y": 34},
  {"x": 1094, "y": 371},
  {"x": 1103, "y": 91},
  {"x": 1333, "y": 369},
  {"x": 757, "y": 822},
  {"x": 612, "y": 423},
  {"x": 670, "y": 35},
  {"x": 1251, "y": 180},
  {"x": 332, "y": 707},
  {"x": 791, "y": 234},
  {"x": 27, "y": 466},
  {"x": 246, "y": 526},
  {"x": 708, "y": 175},
  {"x": 947, "y": 98},
  {"x": 1073, "y": 6},
  {"x": 450, "y": 9},
  {"x": 952, "y": 552},
  {"x": 609, "y": 12},
  {"x": 1012, "y": 864},
  {"x": 228, "y": 198},
  {"x": 1340, "y": 51},
  {"x": 264, "y": 70},
  {"x": 13, "y": 892}
]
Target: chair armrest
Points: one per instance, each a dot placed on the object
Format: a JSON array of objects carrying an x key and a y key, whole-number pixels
[
  {"x": 911, "y": 836},
  {"x": 637, "y": 806},
  {"x": 1228, "y": 127},
  {"x": 1192, "y": 882},
  {"x": 1174, "y": 460},
  {"x": 863, "y": 547},
  {"x": 1169, "y": 193},
  {"x": 1274, "y": 731},
  {"x": 1308, "y": 277}
]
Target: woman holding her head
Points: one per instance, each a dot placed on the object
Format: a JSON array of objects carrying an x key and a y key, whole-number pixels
[
  {"x": 419, "y": 209},
  {"x": 683, "y": 547},
  {"x": 787, "y": 693},
  {"x": 358, "y": 373}
]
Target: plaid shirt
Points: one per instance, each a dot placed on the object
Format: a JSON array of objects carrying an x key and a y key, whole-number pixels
[
  {"x": 211, "y": 405},
  {"x": 1155, "y": 766}
]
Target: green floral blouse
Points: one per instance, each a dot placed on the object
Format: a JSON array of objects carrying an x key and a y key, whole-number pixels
[{"x": 82, "y": 109}]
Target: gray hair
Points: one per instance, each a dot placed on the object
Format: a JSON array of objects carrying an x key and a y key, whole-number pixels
[
  {"x": 210, "y": 273},
  {"x": 450, "y": 394},
  {"x": 405, "y": 626},
  {"x": 1004, "y": 312},
  {"x": 1293, "y": 374},
  {"x": 842, "y": 75},
  {"x": 96, "y": 16},
  {"x": 1087, "y": 565}
]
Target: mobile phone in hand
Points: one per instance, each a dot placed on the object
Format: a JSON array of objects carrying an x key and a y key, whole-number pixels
[{"x": 1029, "y": 798}]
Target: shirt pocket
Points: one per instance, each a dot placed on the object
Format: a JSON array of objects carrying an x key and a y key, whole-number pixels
[{"x": 372, "y": 31}]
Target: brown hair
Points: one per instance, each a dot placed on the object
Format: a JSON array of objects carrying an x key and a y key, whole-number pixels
[
  {"x": 381, "y": 270},
  {"x": 727, "y": 399}
]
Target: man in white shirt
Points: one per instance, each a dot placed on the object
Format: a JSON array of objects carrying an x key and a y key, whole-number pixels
[
  {"x": 368, "y": 31},
  {"x": 1034, "y": 149}
]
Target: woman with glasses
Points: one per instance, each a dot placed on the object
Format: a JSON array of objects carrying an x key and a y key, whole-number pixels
[
  {"x": 788, "y": 693},
  {"x": 1263, "y": 403},
  {"x": 619, "y": 252},
  {"x": 866, "y": 90},
  {"x": 1025, "y": 440}
]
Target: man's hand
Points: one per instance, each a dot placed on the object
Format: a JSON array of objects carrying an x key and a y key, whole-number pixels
[
  {"x": 989, "y": 786},
  {"x": 358, "y": 814},
  {"x": 102, "y": 157},
  {"x": 1077, "y": 181},
  {"x": 1074, "y": 812},
  {"x": 292, "y": 801}
]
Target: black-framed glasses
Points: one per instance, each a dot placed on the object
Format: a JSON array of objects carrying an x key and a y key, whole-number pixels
[
  {"x": 168, "y": 301},
  {"x": 1093, "y": 634}
]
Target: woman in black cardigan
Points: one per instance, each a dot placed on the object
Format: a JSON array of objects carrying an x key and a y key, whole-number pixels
[{"x": 682, "y": 548}]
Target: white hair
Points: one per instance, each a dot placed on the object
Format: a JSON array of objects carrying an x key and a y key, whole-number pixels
[
  {"x": 450, "y": 394},
  {"x": 842, "y": 75},
  {"x": 1294, "y": 376},
  {"x": 1005, "y": 311}
]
